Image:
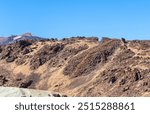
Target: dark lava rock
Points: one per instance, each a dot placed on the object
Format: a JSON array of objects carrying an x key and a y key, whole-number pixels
[
  {"x": 137, "y": 75},
  {"x": 56, "y": 95},
  {"x": 1, "y": 49},
  {"x": 26, "y": 84},
  {"x": 10, "y": 59},
  {"x": 25, "y": 51},
  {"x": 87, "y": 61},
  {"x": 123, "y": 40},
  {"x": 23, "y": 43},
  {"x": 64, "y": 96},
  {"x": 122, "y": 82},
  {"x": 112, "y": 80},
  {"x": 11, "y": 51},
  {"x": 20, "y": 61},
  {"x": 3, "y": 80},
  {"x": 69, "y": 51},
  {"x": 18, "y": 79},
  {"x": 5, "y": 52},
  {"x": 57, "y": 48},
  {"x": 45, "y": 54}
]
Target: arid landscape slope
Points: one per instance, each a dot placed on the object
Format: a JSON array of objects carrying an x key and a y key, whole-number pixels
[{"x": 78, "y": 66}]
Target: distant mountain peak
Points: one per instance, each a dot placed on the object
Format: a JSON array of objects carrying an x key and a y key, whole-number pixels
[
  {"x": 13, "y": 38},
  {"x": 27, "y": 34}
]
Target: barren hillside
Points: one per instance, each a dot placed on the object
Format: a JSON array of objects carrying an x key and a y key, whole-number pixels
[{"x": 78, "y": 66}]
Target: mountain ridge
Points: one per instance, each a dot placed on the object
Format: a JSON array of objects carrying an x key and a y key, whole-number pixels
[
  {"x": 15, "y": 38},
  {"x": 78, "y": 66}
]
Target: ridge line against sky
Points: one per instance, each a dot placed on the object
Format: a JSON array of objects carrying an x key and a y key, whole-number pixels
[{"x": 67, "y": 18}]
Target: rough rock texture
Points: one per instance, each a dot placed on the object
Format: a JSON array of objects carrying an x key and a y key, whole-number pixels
[
  {"x": 44, "y": 54},
  {"x": 86, "y": 62},
  {"x": 11, "y": 52},
  {"x": 78, "y": 66}
]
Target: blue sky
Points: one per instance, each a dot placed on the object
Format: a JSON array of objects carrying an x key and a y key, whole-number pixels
[{"x": 66, "y": 18}]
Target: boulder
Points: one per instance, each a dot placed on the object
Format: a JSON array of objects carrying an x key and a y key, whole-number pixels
[
  {"x": 26, "y": 84},
  {"x": 10, "y": 59}
]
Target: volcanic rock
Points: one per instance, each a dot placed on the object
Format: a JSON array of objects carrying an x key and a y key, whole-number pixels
[{"x": 77, "y": 66}]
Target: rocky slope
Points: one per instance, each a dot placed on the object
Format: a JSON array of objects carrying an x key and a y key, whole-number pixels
[{"x": 78, "y": 66}]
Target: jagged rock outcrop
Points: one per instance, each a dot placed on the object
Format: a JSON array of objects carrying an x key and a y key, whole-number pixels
[
  {"x": 78, "y": 66},
  {"x": 44, "y": 54},
  {"x": 11, "y": 52},
  {"x": 86, "y": 62}
]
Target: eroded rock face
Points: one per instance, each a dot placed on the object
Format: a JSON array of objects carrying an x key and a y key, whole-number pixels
[
  {"x": 1, "y": 49},
  {"x": 45, "y": 54},
  {"x": 78, "y": 66},
  {"x": 6, "y": 78},
  {"x": 26, "y": 51},
  {"x": 11, "y": 51},
  {"x": 87, "y": 61}
]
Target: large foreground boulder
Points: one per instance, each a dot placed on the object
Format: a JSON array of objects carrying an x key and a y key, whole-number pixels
[{"x": 19, "y": 92}]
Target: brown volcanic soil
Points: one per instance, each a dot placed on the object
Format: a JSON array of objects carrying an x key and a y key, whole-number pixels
[{"x": 78, "y": 66}]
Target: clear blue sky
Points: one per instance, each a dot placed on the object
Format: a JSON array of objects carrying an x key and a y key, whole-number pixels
[{"x": 66, "y": 18}]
